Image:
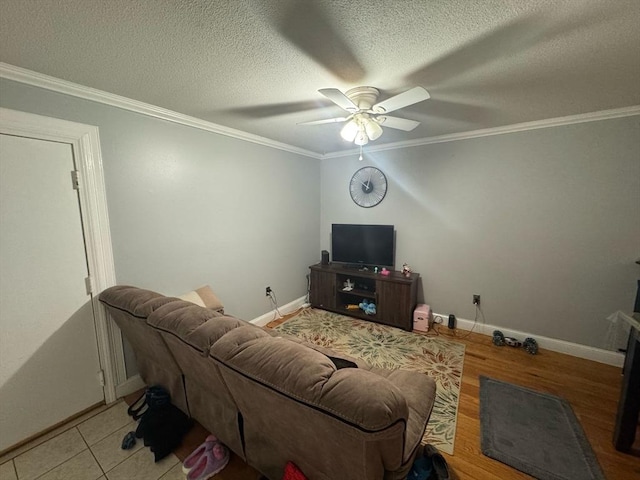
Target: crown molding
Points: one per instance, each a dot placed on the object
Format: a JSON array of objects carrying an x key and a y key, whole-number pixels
[
  {"x": 486, "y": 132},
  {"x": 29, "y": 77}
]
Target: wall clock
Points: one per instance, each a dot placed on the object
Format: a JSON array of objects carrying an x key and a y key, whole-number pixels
[{"x": 368, "y": 187}]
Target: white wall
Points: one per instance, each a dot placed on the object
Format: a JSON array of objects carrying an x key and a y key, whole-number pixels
[
  {"x": 543, "y": 224},
  {"x": 189, "y": 207}
]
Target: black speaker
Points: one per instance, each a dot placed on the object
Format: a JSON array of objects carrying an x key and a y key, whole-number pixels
[
  {"x": 452, "y": 321},
  {"x": 325, "y": 257}
]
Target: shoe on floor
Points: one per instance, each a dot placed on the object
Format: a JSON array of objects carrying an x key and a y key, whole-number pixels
[
  {"x": 440, "y": 468},
  {"x": 421, "y": 468},
  {"x": 210, "y": 462},
  {"x": 129, "y": 441},
  {"x": 193, "y": 458}
]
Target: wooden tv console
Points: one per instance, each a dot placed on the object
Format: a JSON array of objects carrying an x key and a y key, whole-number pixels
[{"x": 395, "y": 295}]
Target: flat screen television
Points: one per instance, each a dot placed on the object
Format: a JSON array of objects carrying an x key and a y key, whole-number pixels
[{"x": 363, "y": 245}]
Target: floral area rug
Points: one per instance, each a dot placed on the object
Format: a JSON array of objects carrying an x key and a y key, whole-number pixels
[{"x": 392, "y": 348}]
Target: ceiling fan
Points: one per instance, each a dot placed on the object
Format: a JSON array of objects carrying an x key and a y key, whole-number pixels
[{"x": 366, "y": 118}]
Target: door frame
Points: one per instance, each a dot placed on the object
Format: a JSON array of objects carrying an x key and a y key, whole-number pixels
[{"x": 85, "y": 145}]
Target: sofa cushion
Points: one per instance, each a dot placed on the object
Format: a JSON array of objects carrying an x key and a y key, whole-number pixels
[
  {"x": 132, "y": 300},
  {"x": 204, "y": 297},
  {"x": 180, "y": 317},
  {"x": 192, "y": 324},
  {"x": 360, "y": 397}
]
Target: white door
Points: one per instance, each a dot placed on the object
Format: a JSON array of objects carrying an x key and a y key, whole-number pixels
[{"x": 49, "y": 364}]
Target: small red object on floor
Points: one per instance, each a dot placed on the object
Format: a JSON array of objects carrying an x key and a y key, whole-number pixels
[{"x": 292, "y": 472}]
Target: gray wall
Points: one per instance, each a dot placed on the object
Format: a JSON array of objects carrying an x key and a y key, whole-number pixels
[
  {"x": 543, "y": 224},
  {"x": 189, "y": 207}
]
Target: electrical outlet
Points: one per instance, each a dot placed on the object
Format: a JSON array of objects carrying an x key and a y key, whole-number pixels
[
  {"x": 476, "y": 300},
  {"x": 267, "y": 291}
]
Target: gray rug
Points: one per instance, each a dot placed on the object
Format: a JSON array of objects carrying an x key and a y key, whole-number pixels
[{"x": 534, "y": 432}]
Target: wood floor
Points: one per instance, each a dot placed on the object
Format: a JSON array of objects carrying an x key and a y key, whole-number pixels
[{"x": 591, "y": 388}]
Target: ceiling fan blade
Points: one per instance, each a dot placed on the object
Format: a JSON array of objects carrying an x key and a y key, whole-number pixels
[
  {"x": 326, "y": 120},
  {"x": 397, "y": 123},
  {"x": 404, "y": 99},
  {"x": 339, "y": 98}
]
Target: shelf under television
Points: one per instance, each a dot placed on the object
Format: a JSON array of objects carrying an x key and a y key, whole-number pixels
[
  {"x": 355, "y": 313},
  {"x": 365, "y": 294}
]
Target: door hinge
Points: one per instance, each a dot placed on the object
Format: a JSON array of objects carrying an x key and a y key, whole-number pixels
[
  {"x": 101, "y": 377},
  {"x": 88, "y": 283},
  {"x": 75, "y": 179}
]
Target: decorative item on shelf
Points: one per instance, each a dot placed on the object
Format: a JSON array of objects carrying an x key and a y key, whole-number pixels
[
  {"x": 352, "y": 306},
  {"x": 348, "y": 285},
  {"x": 385, "y": 272},
  {"x": 368, "y": 307},
  {"x": 406, "y": 270}
]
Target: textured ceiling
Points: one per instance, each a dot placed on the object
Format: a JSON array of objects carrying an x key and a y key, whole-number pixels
[{"x": 256, "y": 65}]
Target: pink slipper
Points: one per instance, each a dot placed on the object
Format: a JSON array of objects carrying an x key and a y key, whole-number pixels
[
  {"x": 193, "y": 458},
  {"x": 211, "y": 462}
]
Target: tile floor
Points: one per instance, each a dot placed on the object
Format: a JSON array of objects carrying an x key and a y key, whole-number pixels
[{"x": 89, "y": 449}]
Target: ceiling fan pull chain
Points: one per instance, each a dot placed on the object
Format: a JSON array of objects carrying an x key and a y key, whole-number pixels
[{"x": 360, "y": 158}]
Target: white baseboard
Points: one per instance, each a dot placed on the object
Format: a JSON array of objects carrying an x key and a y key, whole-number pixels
[
  {"x": 130, "y": 385},
  {"x": 575, "y": 349},
  {"x": 290, "y": 307}
]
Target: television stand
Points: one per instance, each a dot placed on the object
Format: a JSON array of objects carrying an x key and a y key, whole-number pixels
[
  {"x": 395, "y": 295},
  {"x": 357, "y": 266},
  {"x": 352, "y": 266}
]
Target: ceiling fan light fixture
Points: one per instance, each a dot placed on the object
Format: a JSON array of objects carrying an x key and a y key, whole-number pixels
[
  {"x": 349, "y": 131},
  {"x": 373, "y": 129},
  {"x": 361, "y": 138}
]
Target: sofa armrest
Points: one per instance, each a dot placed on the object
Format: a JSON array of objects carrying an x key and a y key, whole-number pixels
[{"x": 419, "y": 390}]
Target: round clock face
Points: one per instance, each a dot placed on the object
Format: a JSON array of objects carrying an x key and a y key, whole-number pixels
[{"x": 368, "y": 187}]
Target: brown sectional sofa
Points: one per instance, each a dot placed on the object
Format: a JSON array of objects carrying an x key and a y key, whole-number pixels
[{"x": 273, "y": 399}]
